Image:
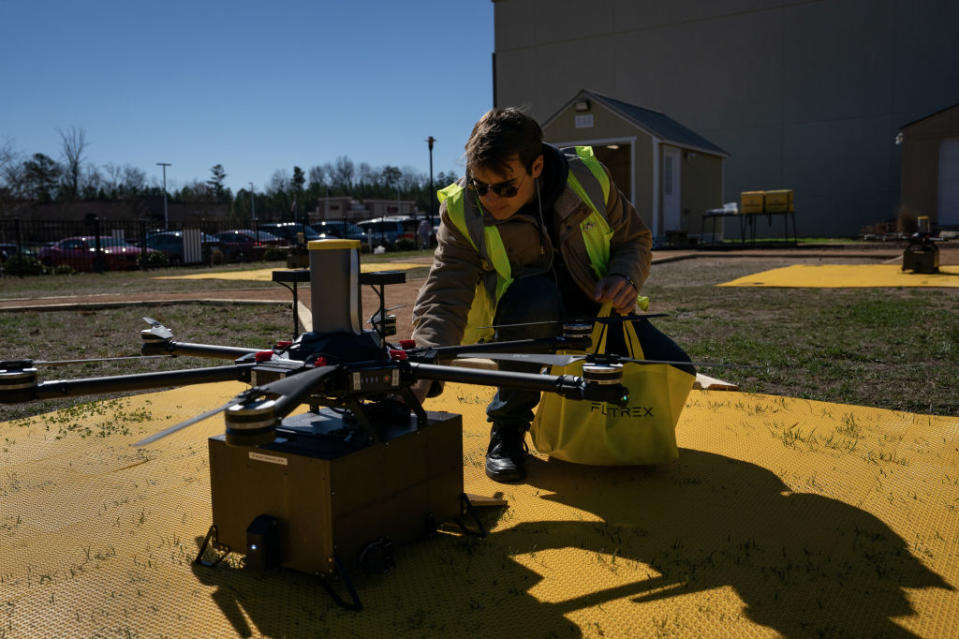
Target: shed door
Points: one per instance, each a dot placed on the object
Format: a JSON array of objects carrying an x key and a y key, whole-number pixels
[
  {"x": 671, "y": 219},
  {"x": 949, "y": 182}
]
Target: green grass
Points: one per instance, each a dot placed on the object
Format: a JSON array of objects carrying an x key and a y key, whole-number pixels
[
  {"x": 111, "y": 332},
  {"x": 144, "y": 281},
  {"x": 891, "y": 348},
  {"x": 116, "y": 282}
]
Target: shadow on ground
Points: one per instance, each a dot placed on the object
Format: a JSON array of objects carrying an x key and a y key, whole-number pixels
[{"x": 801, "y": 564}]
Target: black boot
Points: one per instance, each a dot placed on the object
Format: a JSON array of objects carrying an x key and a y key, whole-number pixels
[{"x": 506, "y": 455}]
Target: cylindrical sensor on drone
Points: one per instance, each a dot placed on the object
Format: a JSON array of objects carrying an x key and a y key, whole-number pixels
[{"x": 335, "y": 285}]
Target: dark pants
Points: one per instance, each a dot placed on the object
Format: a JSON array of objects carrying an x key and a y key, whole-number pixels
[{"x": 538, "y": 299}]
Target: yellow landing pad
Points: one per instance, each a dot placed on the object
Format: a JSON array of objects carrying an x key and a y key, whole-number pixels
[
  {"x": 266, "y": 274},
  {"x": 848, "y": 276},
  {"x": 783, "y": 517}
]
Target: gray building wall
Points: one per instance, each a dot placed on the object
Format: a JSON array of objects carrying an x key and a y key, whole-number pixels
[{"x": 803, "y": 95}]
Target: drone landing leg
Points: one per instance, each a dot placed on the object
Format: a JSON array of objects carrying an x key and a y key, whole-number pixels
[
  {"x": 363, "y": 419},
  {"x": 337, "y": 570},
  {"x": 210, "y": 540},
  {"x": 421, "y": 419}
]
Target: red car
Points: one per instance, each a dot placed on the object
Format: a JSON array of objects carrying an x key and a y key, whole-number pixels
[
  {"x": 244, "y": 245},
  {"x": 80, "y": 252}
]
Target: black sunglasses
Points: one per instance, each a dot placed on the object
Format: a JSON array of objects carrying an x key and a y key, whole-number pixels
[{"x": 503, "y": 189}]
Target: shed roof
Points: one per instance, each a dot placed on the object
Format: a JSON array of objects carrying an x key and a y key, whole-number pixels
[
  {"x": 655, "y": 123},
  {"x": 931, "y": 115}
]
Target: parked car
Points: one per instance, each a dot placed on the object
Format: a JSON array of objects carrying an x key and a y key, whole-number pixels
[
  {"x": 170, "y": 243},
  {"x": 8, "y": 250},
  {"x": 290, "y": 231},
  {"x": 387, "y": 231},
  {"x": 80, "y": 253},
  {"x": 341, "y": 230},
  {"x": 243, "y": 245}
]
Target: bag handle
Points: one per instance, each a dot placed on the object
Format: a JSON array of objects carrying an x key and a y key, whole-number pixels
[{"x": 634, "y": 348}]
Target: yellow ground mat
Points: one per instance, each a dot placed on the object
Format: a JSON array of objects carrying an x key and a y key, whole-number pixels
[
  {"x": 847, "y": 276},
  {"x": 266, "y": 274},
  {"x": 783, "y": 517}
]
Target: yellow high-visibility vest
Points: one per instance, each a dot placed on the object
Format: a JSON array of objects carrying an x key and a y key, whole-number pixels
[{"x": 585, "y": 175}]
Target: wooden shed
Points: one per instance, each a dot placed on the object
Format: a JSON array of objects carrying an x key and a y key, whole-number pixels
[
  {"x": 930, "y": 167},
  {"x": 670, "y": 173}
]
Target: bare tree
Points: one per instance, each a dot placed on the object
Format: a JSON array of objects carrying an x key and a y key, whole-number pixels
[
  {"x": 93, "y": 182},
  {"x": 74, "y": 142},
  {"x": 7, "y": 153},
  {"x": 114, "y": 177},
  {"x": 410, "y": 180},
  {"x": 11, "y": 170},
  {"x": 343, "y": 172},
  {"x": 391, "y": 176},
  {"x": 279, "y": 182},
  {"x": 365, "y": 175},
  {"x": 134, "y": 180},
  {"x": 318, "y": 176}
]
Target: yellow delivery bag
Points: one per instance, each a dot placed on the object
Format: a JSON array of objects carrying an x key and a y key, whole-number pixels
[{"x": 603, "y": 434}]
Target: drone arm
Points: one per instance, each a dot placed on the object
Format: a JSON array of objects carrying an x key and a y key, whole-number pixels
[
  {"x": 533, "y": 345},
  {"x": 93, "y": 385},
  {"x": 569, "y": 386},
  {"x": 170, "y": 347}
]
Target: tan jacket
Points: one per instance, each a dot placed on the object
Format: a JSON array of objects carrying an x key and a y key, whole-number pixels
[{"x": 439, "y": 315}]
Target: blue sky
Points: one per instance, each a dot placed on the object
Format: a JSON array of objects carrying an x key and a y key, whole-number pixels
[{"x": 254, "y": 86}]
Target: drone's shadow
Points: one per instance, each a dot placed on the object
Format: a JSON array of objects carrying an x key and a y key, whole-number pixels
[{"x": 803, "y": 564}]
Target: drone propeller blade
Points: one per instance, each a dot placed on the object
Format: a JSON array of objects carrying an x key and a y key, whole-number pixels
[
  {"x": 543, "y": 359},
  {"x": 682, "y": 363},
  {"x": 291, "y": 388},
  {"x": 189, "y": 422},
  {"x": 294, "y": 385},
  {"x": 604, "y": 320}
]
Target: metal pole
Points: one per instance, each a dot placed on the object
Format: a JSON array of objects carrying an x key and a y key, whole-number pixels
[
  {"x": 166, "y": 218},
  {"x": 256, "y": 233},
  {"x": 429, "y": 141}
]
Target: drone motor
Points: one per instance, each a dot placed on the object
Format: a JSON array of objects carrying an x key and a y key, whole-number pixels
[
  {"x": 578, "y": 331},
  {"x": 251, "y": 424},
  {"x": 603, "y": 374},
  {"x": 18, "y": 378}
]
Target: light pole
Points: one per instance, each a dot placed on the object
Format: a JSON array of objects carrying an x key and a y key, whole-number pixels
[
  {"x": 256, "y": 233},
  {"x": 166, "y": 219},
  {"x": 429, "y": 141}
]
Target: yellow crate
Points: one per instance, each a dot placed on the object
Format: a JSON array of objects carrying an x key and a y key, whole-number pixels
[
  {"x": 751, "y": 201},
  {"x": 779, "y": 201}
]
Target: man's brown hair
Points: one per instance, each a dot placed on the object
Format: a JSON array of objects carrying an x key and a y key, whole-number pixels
[{"x": 498, "y": 136}]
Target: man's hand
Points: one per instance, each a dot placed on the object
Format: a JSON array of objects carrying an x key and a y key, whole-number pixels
[{"x": 618, "y": 290}]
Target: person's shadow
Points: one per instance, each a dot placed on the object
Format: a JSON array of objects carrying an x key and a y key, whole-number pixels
[{"x": 803, "y": 564}]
